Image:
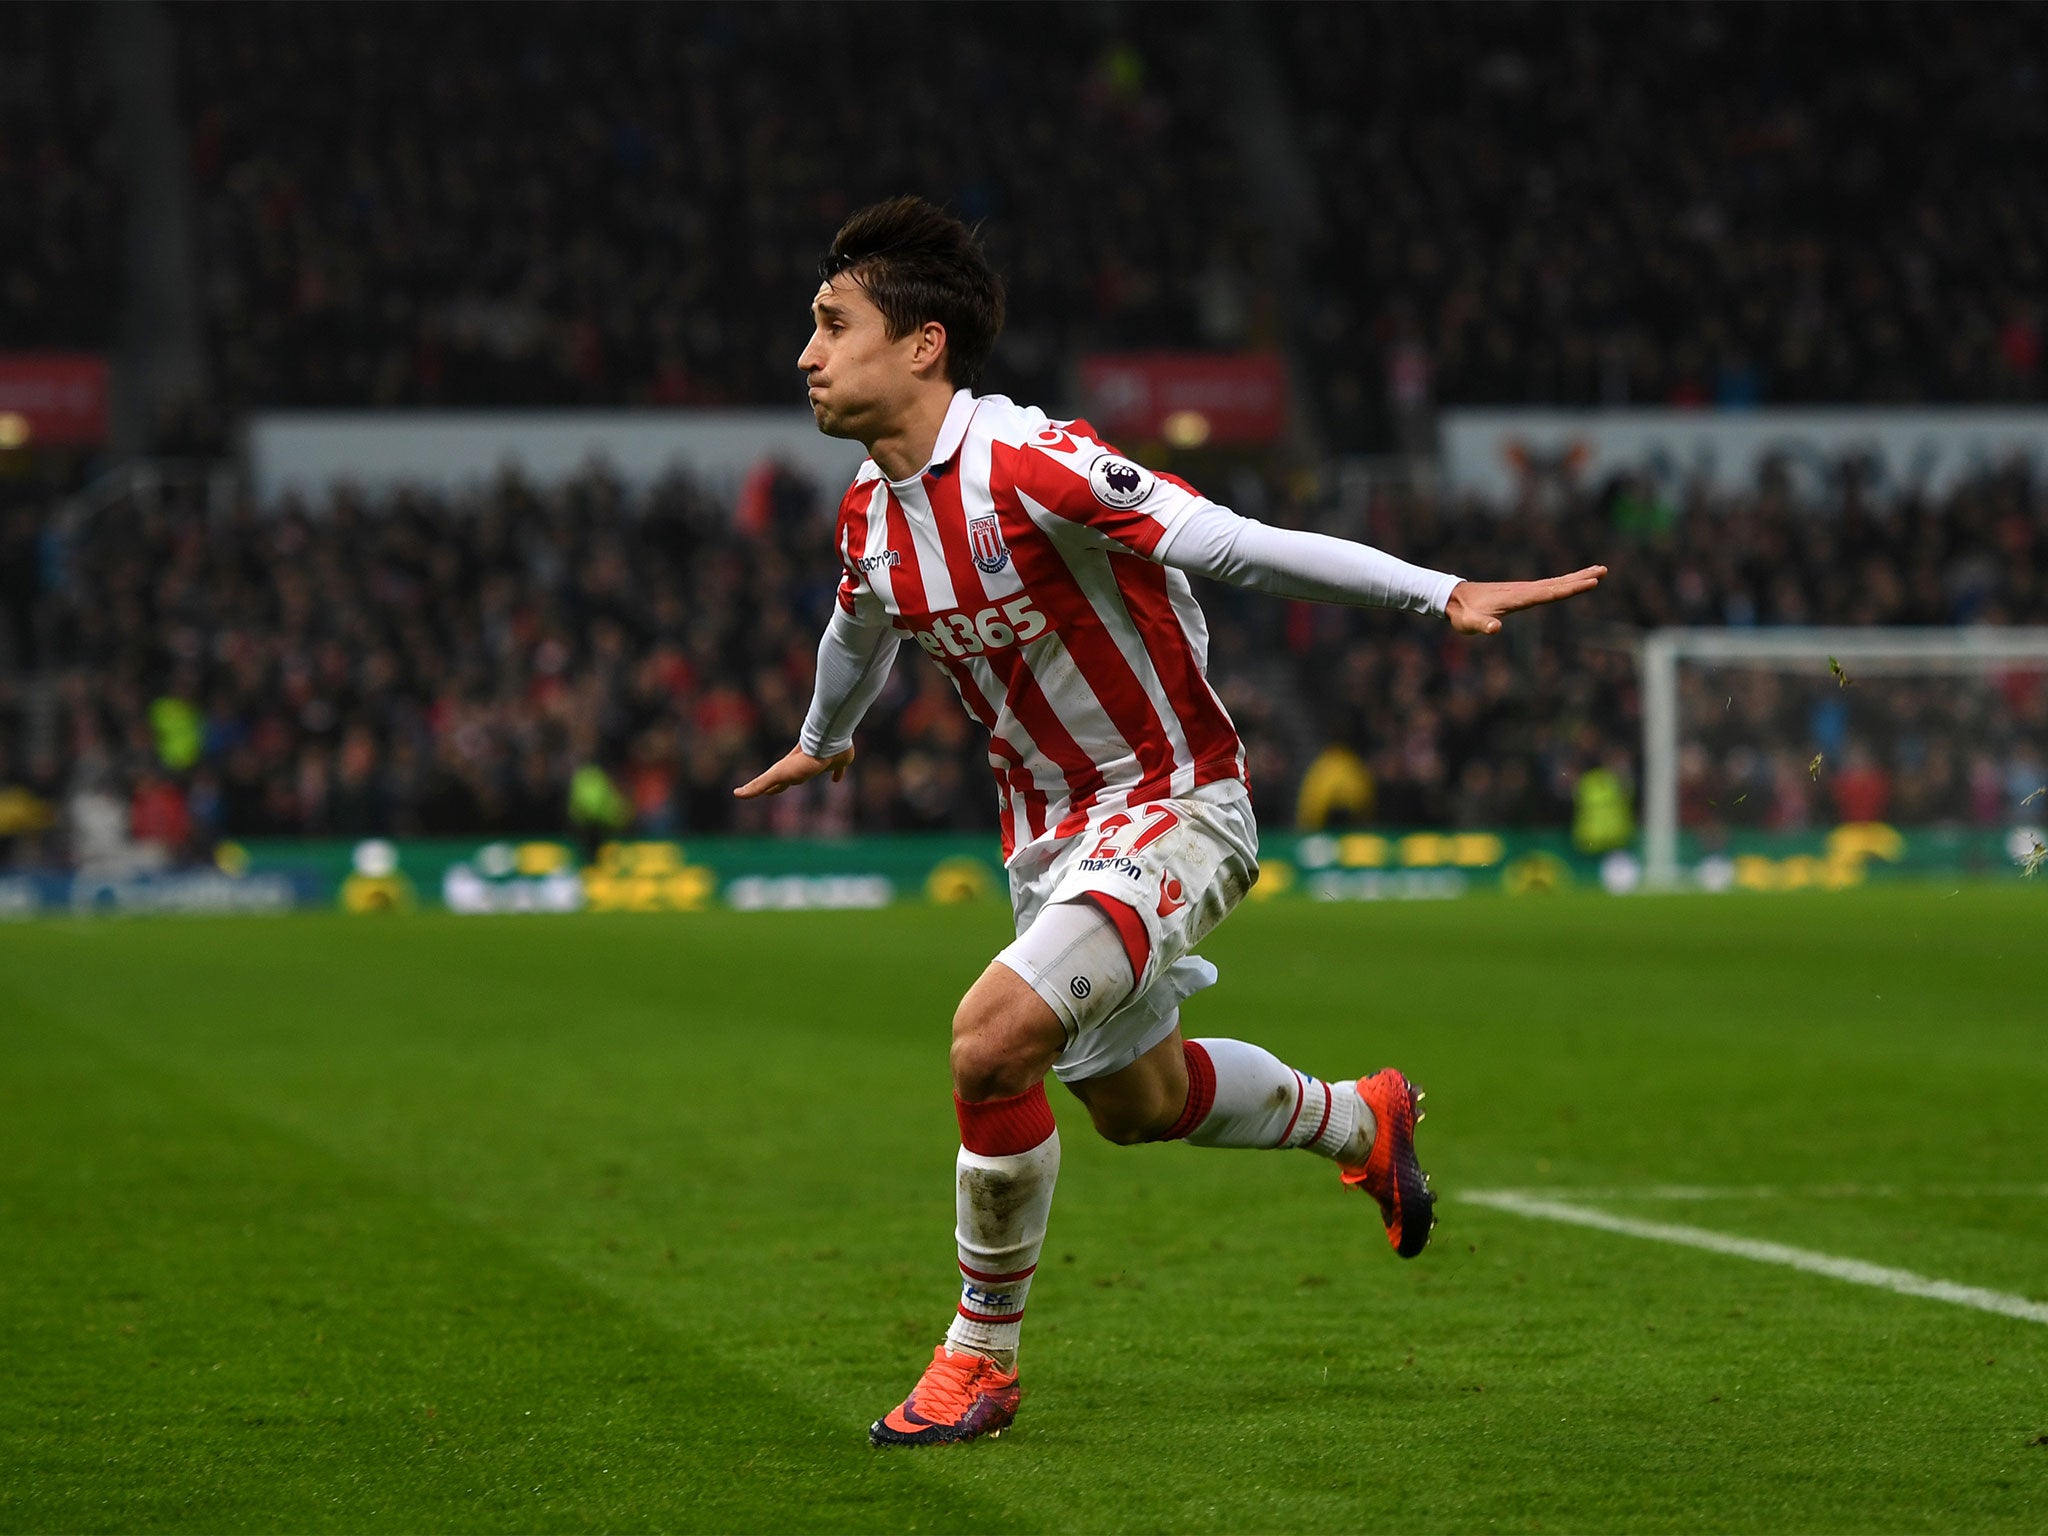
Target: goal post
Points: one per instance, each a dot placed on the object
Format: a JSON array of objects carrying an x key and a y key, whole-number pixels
[{"x": 1861, "y": 655}]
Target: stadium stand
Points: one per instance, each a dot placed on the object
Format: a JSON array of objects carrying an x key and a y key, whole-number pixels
[
  {"x": 1670, "y": 203},
  {"x": 570, "y": 205},
  {"x": 553, "y": 205},
  {"x": 426, "y": 668},
  {"x": 60, "y": 224},
  {"x": 562, "y": 204}
]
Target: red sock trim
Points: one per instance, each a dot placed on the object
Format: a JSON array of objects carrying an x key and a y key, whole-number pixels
[
  {"x": 975, "y": 1274},
  {"x": 1130, "y": 929},
  {"x": 1005, "y": 1127},
  {"x": 1323, "y": 1123},
  {"x": 983, "y": 1317},
  {"x": 1300, "y": 1094},
  {"x": 1201, "y": 1091}
]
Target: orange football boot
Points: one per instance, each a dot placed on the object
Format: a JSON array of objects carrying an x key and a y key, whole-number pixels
[
  {"x": 1390, "y": 1173},
  {"x": 960, "y": 1396}
]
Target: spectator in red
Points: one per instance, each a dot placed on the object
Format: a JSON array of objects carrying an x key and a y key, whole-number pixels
[
  {"x": 157, "y": 815},
  {"x": 1862, "y": 790}
]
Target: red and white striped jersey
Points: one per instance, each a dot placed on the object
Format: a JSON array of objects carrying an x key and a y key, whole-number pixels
[{"x": 1023, "y": 561}]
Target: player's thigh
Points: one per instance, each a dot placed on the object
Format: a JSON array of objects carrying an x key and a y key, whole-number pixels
[
  {"x": 1061, "y": 977},
  {"x": 1005, "y": 1037}
]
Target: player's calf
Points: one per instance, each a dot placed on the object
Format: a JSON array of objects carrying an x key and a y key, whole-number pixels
[
  {"x": 1239, "y": 1095},
  {"x": 1141, "y": 1102}
]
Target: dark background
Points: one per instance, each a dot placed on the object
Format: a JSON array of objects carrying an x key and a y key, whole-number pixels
[{"x": 622, "y": 205}]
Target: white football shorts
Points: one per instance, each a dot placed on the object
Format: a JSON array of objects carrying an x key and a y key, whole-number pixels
[{"x": 1176, "y": 868}]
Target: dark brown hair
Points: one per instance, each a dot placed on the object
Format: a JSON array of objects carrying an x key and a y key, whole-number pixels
[{"x": 919, "y": 263}]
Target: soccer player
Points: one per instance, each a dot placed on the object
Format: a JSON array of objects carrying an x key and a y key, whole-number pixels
[{"x": 1047, "y": 575}]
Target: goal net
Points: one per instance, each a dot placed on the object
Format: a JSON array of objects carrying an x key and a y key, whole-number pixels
[{"x": 1878, "y": 732}]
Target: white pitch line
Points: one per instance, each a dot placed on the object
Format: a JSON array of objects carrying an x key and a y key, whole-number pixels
[
  {"x": 1697, "y": 1192},
  {"x": 1854, "y": 1271}
]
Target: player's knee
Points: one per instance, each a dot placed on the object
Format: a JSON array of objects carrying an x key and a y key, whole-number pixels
[
  {"x": 990, "y": 1062},
  {"x": 978, "y": 1072}
]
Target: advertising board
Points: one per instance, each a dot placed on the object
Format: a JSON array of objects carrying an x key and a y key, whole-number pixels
[
  {"x": 546, "y": 875},
  {"x": 1187, "y": 399},
  {"x": 54, "y": 398}
]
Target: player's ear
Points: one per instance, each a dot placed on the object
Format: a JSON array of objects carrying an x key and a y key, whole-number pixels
[{"x": 931, "y": 343}]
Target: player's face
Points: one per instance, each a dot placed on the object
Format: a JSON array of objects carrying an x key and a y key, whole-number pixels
[{"x": 858, "y": 379}]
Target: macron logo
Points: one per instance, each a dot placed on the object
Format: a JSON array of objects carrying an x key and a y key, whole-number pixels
[{"x": 887, "y": 557}]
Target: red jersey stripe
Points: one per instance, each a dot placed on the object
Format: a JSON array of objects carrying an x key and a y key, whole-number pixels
[
  {"x": 1211, "y": 737},
  {"x": 1036, "y": 819},
  {"x": 944, "y": 494},
  {"x": 853, "y": 539},
  {"x": 1035, "y": 713},
  {"x": 1046, "y": 575}
]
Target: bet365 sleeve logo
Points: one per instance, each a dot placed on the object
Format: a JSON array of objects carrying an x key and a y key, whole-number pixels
[{"x": 1118, "y": 483}]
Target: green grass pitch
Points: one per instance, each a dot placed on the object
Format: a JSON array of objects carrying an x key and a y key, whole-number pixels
[{"x": 634, "y": 1223}]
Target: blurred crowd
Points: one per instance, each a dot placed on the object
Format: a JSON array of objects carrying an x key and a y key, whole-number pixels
[
  {"x": 60, "y": 229},
  {"x": 560, "y": 205},
  {"x": 1423, "y": 729},
  {"x": 581, "y": 660},
  {"x": 554, "y": 204},
  {"x": 1681, "y": 204},
  {"x": 1675, "y": 204}
]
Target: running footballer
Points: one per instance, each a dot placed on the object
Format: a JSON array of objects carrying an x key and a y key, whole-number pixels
[{"x": 1048, "y": 576}]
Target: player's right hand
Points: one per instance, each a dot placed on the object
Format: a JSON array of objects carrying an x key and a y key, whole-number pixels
[
  {"x": 796, "y": 767},
  {"x": 1477, "y": 607}
]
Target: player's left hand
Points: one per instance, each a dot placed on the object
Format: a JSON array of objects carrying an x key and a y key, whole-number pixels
[{"x": 1476, "y": 607}]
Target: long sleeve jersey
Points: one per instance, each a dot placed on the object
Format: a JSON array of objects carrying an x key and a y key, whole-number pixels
[{"x": 1047, "y": 575}]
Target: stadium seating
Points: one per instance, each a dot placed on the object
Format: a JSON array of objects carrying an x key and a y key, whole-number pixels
[
  {"x": 420, "y": 667},
  {"x": 60, "y": 225},
  {"x": 562, "y": 204},
  {"x": 1662, "y": 203},
  {"x": 552, "y": 205}
]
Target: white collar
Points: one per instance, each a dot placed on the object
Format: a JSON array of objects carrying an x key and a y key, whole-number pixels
[{"x": 952, "y": 432}]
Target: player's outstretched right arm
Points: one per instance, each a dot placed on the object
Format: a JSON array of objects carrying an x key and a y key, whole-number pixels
[
  {"x": 854, "y": 658},
  {"x": 1208, "y": 540}
]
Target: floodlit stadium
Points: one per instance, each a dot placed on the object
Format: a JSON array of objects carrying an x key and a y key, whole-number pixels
[{"x": 1494, "y": 549}]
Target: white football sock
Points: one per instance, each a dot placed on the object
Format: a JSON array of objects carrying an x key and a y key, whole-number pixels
[
  {"x": 1260, "y": 1101},
  {"x": 1003, "y": 1203}
]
